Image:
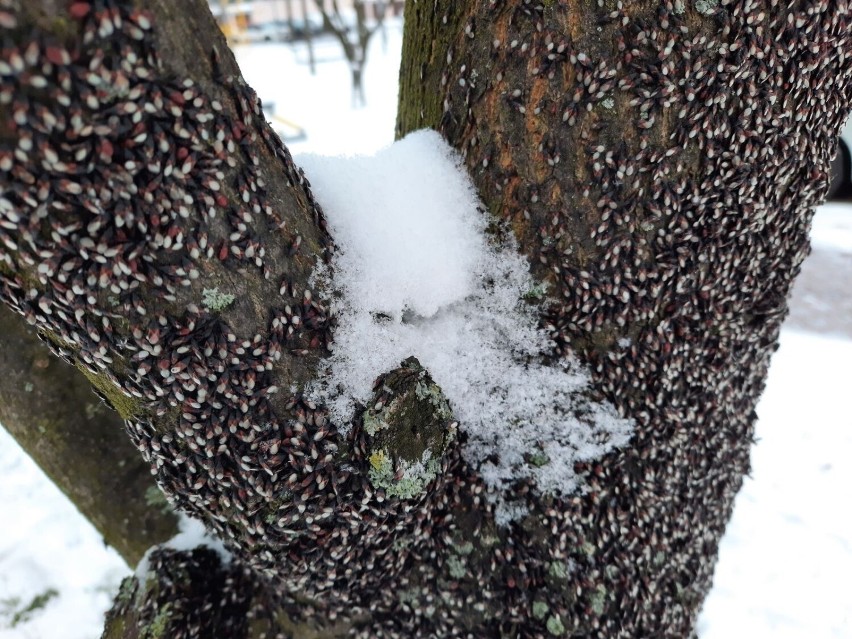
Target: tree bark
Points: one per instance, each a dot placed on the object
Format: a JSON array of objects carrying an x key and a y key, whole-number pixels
[
  {"x": 50, "y": 409},
  {"x": 658, "y": 164},
  {"x": 633, "y": 160}
]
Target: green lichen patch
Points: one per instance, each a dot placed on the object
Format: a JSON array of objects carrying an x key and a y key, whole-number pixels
[
  {"x": 157, "y": 628},
  {"x": 706, "y": 7},
  {"x": 598, "y": 600},
  {"x": 373, "y": 422},
  {"x": 401, "y": 479},
  {"x": 555, "y": 626},
  {"x": 464, "y": 548},
  {"x": 540, "y": 609},
  {"x": 536, "y": 294},
  {"x": 409, "y": 597},
  {"x": 127, "y": 591},
  {"x": 432, "y": 393},
  {"x": 215, "y": 300},
  {"x": 558, "y": 570},
  {"x": 456, "y": 566},
  {"x": 538, "y": 459}
]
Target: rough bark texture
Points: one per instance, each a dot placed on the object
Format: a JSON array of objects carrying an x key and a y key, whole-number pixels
[
  {"x": 50, "y": 409},
  {"x": 657, "y": 165},
  {"x": 183, "y": 589},
  {"x": 156, "y": 231}
]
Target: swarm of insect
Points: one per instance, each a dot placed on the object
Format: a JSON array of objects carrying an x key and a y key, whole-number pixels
[{"x": 659, "y": 166}]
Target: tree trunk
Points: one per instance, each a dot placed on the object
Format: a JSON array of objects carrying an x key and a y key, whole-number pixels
[
  {"x": 50, "y": 409},
  {"x": 658, "y": 167},
  {"x": 659, "y": 164}
]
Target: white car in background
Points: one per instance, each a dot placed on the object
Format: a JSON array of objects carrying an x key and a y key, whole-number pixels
[{"x": 841, "y": 168}]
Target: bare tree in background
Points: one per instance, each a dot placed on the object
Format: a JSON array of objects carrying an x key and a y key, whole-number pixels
[{"x": 354, "y": 37}]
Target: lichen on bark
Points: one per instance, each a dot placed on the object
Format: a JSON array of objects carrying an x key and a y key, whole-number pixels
[{"x": 410, "y": 428}]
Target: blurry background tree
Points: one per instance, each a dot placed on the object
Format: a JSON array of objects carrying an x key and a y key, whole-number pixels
[
  {"x": 351, "y": 22},
  {"x": 49, "y": 407},
  {"x": 658, "y": 165},
  {"x": 354, "y": 33}
]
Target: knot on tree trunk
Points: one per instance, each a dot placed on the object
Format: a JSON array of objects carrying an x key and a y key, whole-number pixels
[{"x": 408, "y": 429}]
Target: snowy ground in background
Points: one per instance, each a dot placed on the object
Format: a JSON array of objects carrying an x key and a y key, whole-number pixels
[
  {"x": 45, "y": 543},
  {"x": 785, "y": 564}
]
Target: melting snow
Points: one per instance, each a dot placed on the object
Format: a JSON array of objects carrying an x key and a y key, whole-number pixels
[{"x": 416, "y": 274}]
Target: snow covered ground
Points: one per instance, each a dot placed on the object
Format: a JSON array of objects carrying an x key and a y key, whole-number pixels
[{"x": 785, "y": 563}]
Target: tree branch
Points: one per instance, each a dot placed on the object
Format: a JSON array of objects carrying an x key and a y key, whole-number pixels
[
  {"x": 669, "y": 273},
  {"x": 170, "y": 258},
  {"x": 49, "y": 408}
]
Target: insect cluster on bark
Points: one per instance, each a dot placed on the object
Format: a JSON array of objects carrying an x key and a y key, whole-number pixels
[
  {"x": 126, "y": 193},
  {"x": 659, "y": 163}
]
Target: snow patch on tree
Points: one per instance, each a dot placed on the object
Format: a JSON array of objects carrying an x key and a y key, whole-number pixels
[{"x": 416, "y": 273}]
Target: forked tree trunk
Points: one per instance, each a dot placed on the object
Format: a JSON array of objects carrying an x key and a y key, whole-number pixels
[{"x": 658, "y": 163}]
